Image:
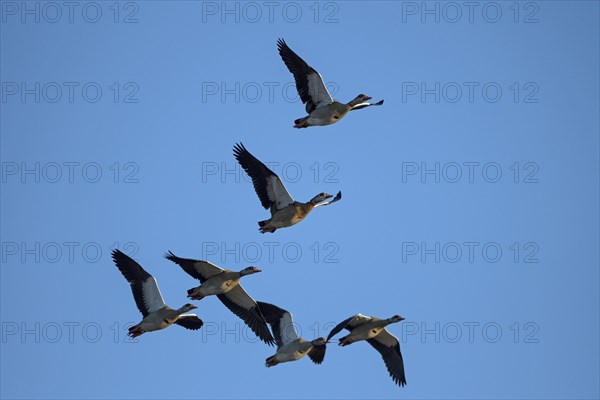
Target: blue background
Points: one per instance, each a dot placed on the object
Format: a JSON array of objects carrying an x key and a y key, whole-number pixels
[{"x": 534, "y": 314}]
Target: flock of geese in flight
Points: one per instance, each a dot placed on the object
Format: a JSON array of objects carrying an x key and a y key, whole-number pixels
[{"x": 322, "y": 110}]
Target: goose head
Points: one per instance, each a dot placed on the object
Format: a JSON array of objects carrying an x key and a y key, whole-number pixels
[
  {"x": 361, "y": 98},
  {"x": 319, "y": 342},
  {"x": 249, "y": 271},
  {"x": 187, "y": 307},
  {"x": 396, "y": 318},
  {"x": 320, "y": 197}
]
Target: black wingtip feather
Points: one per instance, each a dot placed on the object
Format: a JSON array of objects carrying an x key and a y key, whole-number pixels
[
  {"x": 300, "y": 70},
  {"x": 317, "y": 354},
  {"x": 337, "y": 197},
  {"x": 339, "y": 327},
  {"x": 271, "y": 312},
  {"x": 281, "y": 44},
  {"x": 135, "y": 276},
  {"x": 118, "y": 256},
  {"x": 191, "y": 322},
  {"x": 258, "y": 172},
  {"x": 239, "y": 149},
  {"x": 253, "y": 318},
  {"x": 393, "y": 360},
  {"x": 186, "y": 264},
  {"x": 170, "y": 256}
]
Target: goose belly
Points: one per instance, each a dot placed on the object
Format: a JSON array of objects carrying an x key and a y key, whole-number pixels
[
  {"x": 289, "y": 352},
  {"x": 155, "y": 323},
  {"x": 325, "y": 116},
  {"x": 364, "y": 333},
  {"x": 216, "y": 286},
  {"x": 286, "y": 217},
  {"x": 323, "y": 121}
]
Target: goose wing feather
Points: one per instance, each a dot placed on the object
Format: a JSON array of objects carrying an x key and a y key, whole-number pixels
[
  {"x": 281, "y": 322},
  {"x": 239, "y": 302},
  {"x": 145, "y": 290},
  {"x": 198, "y": 269},
  {"x": 389, "y": 348},
  {"x": 268, "y": 186},
  {"x": 309, "y": 83}
]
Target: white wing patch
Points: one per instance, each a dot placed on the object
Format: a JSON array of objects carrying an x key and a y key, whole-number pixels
[
  {"x": 240, "y": 297},
  {"x": 386, "y": 338},
  {"x": 359, "y": 319},
  {"x": 287, "y": 328},
  {"x": 152, "y": 297},
  {"x": 318, "y": 91},
  {"x": 278, "y": 193}
]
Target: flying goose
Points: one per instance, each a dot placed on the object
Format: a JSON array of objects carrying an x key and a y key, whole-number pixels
[
  {"x": 157, "y": 315},
  {"x": 225, "y": 285},
  {"x": 322, "y": 109},
  {"x": 373, "y": 331},
  {"x": 290, "y": 347},
  {"x": 274, "y": 196}
]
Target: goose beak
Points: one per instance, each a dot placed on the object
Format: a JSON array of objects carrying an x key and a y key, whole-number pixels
[
  {"x": 193, "y": 307},
  {"x": 257, "y": 269},
  {"x": 367, "y": 98}
]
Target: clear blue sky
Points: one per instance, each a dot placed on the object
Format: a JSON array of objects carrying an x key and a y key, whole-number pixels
[{"x": 470, "y": 198}]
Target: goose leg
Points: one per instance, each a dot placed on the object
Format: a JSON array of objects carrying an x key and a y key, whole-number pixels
[
  {"x": 301, "y": 122},
  {"x": 265, "y": 227},
  {"x": 345, "y": 341},
  {"x": 135, "y": 331},
  {"x": 194, "y": 295},
  {"x": 271, "y": 362}
]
